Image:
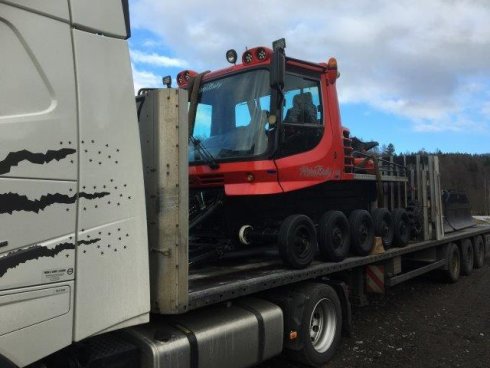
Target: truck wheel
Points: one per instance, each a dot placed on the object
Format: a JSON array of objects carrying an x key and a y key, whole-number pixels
[
  {"x": 486, "y": 242},
  {"x": 383, "y": 226},
  {"x": 333, "y": 236},
  {"x": 297, "y": 241},
  {"x": 321, "y": 326},
  {"x": 467, "y": 257},
  {"x": 401, "y": 227},
  {"x": 479, "y": 252},
  {"x": 453, "y": 263},
  {"x": 362, "y": 232}
]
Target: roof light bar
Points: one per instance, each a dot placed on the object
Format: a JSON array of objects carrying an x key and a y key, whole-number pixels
[
  {"x": 184, "y": 76},
  {"x": 256, "y": 55}
]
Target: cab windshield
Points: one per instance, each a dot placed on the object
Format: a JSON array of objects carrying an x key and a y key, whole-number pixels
[{"x": 231, "y": 118}]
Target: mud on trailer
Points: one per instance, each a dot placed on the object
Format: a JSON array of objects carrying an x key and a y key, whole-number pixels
[{"x": 97, "y": 262}]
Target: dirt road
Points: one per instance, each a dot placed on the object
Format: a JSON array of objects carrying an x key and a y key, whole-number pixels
[{"x": 421, "y": 323}]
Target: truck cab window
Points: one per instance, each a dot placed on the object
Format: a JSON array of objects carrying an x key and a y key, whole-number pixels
[
  {"x": 231, "y": 118},
  {"x": 203, "y": 117},
  {"x": 302, "y": 115}
]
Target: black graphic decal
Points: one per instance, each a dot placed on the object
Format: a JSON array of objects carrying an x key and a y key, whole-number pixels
[
  {"x": 10, "y": 202},
  {"x": 14, "y": 158},
  {"x": 87, "y": 242},
  {"x": 93, "y": 195},
  {"x": 17, "y": 257}
]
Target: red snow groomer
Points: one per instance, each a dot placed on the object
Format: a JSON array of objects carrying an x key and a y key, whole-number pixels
[{"x": 271, "y": 163}]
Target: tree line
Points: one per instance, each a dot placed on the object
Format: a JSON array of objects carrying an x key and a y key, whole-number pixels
[{"x": 465, "y": 172}]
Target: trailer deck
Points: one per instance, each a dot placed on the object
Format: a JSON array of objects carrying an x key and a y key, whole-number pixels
[{"x": 229, "y": 280}]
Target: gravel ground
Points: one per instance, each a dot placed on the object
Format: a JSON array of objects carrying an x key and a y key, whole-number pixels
[{"x": 421, "y": 323}]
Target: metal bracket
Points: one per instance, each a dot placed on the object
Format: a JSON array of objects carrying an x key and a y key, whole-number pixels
[{"x": 167, "y": 252}]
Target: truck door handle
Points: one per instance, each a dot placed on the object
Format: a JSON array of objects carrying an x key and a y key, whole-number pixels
[{"x": 3, "y": 243}]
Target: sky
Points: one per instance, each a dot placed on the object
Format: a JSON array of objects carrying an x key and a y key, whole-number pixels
[{"x": 414, "y": 73}]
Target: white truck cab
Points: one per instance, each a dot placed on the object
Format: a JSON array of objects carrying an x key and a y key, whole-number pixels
[{"x": 73, "y": 238}]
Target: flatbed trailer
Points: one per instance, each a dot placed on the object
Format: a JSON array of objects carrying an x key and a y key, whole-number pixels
[
  {"x": 228, "y": 281},
  {"x": 221, "y": 297}
]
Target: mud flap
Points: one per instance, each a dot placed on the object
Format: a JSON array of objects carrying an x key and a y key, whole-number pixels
[{"x": 457, "y": 211}]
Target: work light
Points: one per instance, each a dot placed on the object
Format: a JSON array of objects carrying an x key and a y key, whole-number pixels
[{"x": 231, "y": 56}]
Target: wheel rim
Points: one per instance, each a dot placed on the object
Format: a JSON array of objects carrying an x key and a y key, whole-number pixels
[
  {"x": 403, "y": 229},
  {"x": 385, "y": 229},
  {"x": 337, "y": 237},
  {"x": 302, "y": 242},
  {"x": 323, "y": 325},
  {"x": 363, "y": 232}
]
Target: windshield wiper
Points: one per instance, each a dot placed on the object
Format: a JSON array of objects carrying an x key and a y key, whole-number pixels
[{"x": 204, "y": 153}]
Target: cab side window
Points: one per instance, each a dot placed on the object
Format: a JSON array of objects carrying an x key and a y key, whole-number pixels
[{"x": 302, "y": 115}]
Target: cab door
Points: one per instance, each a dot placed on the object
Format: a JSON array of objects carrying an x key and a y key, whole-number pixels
[{"x": 38, "y": 178}]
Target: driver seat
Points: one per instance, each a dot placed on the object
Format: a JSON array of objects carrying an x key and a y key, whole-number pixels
[{"x": 303, "y": 110}]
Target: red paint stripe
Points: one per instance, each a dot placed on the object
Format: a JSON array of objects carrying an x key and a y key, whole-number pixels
[
  {"x": 371, "y": 287},
  {"x": 375, "y": 278},
  {"x": 378, "y": 271}
]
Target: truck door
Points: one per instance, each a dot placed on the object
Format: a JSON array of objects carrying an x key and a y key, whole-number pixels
[{"x": 38, "y": 179}]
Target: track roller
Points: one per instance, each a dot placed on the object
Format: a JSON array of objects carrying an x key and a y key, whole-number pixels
[
  {"x": 297, "y": 241},
  {"x": 401, "y": 227},
  {"x": 333, "y": 236},
  {"x": 362, "y": 232},
  {"x": 383, "y": 226}
]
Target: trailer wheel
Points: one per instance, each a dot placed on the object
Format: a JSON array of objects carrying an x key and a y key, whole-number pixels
[
  {"x": 453, "y": 263},
  {"x": 401, "y": 227},
  {"x": 479, "y": 252},
  {"x": 487, "y": 247},
  {"x": 333, "y": 236},
  {"x": 297, "y": 241},
  {"x": 384, "y": 226},
  {"x": 467, "y": 257},
  {"x": 321, "y": 325},
  {"x": 362, "y": 232}
]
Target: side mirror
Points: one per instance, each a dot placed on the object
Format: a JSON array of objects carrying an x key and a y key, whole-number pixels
[
  {"x": 277, "y": 77},
  {"x": 278, "y": 69}
]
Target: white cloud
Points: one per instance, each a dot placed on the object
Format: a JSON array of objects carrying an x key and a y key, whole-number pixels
[
  {"x": 145, "y": 79},
  {"x": 412, "y": 58},
  {"x": 485, "y": 109},
  {"x": 156, "y": 59}
]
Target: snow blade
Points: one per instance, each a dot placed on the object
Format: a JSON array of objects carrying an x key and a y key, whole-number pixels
[{"x": 457, "y": 211}]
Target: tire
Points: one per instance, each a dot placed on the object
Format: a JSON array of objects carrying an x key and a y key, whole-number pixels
[
  {"x": 297, "y": 241},
  {"x": 384, "y": 226},
  {"x": 401, "y": 227},
  {"x": 487, "y": 247},
  {"x": 453, "y": 263},
  {"x": 478, "y": 252},
  {"x": 321, "y": 325},
  {"x": 333, "y": 236},
  {"x": 467, "y": 257},
  {"x": 361, "y": 232}
]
